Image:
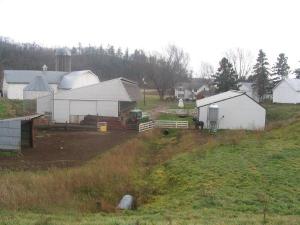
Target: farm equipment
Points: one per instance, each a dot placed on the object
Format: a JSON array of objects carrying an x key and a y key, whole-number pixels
[{"x": 135, "y": 117}]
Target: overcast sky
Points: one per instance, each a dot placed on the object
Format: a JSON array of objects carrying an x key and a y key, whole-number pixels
[{"x": 205, "y": 29}]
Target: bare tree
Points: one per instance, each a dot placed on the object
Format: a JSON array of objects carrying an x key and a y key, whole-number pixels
[
  {"x": 166, "y": 70},
  {"x": 206, "y": 70},
  {"x": 241, "y": 60}
]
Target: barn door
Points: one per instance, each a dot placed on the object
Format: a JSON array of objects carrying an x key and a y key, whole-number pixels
[{"x": 26, "y": 134}]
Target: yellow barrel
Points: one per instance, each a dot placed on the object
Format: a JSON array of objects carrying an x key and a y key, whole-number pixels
[{"x": 102, "y": 126}]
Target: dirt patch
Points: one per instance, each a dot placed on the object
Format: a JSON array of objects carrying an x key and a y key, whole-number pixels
[{"x": 64, "y": 149}]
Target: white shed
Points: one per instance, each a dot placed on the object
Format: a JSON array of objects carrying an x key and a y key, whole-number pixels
[
  {"x": 108, "y": 99},
  {"x": 287, "y": 91},
  {"x": 236, "y": 111}
]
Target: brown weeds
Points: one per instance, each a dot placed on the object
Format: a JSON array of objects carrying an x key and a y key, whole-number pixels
[{"x": 99, "y": 184}]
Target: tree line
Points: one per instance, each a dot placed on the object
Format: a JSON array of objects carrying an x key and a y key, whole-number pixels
[
  {"x": 235, "y": 68},
  {"x": 161, "y": 71}
]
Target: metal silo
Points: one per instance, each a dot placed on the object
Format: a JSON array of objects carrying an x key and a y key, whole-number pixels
[
  {"x": 213, "y": 117},
  {"x": 63, "y": 60}
]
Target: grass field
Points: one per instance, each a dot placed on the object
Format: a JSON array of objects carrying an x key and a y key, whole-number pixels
[
  {"x": 233, "y": 177},
  {"x": 10, "y": 108},
  {"x": 276, "y": 112},
  {"x": 151, "y": 102},
  {"x": 187, "y": 105},
  {"x": 168, "y": 116}
]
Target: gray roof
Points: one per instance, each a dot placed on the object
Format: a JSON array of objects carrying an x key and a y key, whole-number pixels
[
  {"x": 30, "y": 117},
  {"x": 118, "y": 89},
  {"x": 38, "y": 84},
  {"x": 218, "y": 97},
  {"x": 132, "y": 89},
  {"x": 26, "y": 76}
]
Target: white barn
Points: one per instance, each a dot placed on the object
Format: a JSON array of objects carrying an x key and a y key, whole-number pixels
[
  {"x": 108, "y": 99},
  {"x": 15, "y": 81},
  {"x": 236, "y": 111},
  {"x": 287, "y": 91}
]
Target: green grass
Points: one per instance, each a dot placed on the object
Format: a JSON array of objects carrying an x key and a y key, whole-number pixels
[
  {"x": 151, "y": 102},
  {"x": 187, "y": 105},
  {"x": 10, "y": 108},
  {"x": 8, "y": 154},
  {"x": 276, "y": 112},
  {"x": 169, "y": 116},
  {"x": 228, "y": 180}
]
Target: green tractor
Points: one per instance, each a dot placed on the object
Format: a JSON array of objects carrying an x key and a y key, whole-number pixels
[{"x": 136, "y": 116}]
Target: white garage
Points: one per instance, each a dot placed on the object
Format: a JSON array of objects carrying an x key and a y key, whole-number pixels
[
  {"x": 106, "y": 99},
  {"x": 287, "y": 91},
  {"x": 236, "y": 110}
]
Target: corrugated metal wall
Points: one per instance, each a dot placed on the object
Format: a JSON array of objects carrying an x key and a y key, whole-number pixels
[{"x": 10, "y": 135}]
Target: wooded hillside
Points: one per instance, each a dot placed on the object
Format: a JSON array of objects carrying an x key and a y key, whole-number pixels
[{"x": 161, "y": 71}]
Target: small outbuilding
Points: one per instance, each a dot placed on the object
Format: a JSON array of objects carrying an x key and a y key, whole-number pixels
[
  {"x": 235, "y": 110},
  {"x": 17, "y": 133},
  {"x": 287, "y": 91}
]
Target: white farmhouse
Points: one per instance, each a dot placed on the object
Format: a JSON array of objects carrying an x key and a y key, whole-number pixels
[
  {"x": 236, "y": 110},
  {"x": 248, "y": 88},
  {"x": 287, "y": 91},
  {"x": 189, "y": 90},
  {"x": 107, "y": 99},
  {"x": 15, "y": 82}
]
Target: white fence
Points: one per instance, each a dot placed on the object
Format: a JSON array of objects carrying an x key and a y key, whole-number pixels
[
  {"x": 146, "y": 126},
  {"x": 171, "y": 124},
  {"x": 163, "y": 124}
]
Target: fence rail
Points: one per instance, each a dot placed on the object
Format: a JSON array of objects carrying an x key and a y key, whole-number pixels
[
  {"x": 171, "y": 124},
  {"x": 146, "y": 126},
  {"x": 163, "y": 124}
]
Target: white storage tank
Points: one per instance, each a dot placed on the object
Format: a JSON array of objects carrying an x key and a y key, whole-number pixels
[{"x": 213, "y": 117}]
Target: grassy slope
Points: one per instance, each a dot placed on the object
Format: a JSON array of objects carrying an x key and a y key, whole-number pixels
[
  {"x": 10, "y": 108},
  {"x": 226, "y": 181}
]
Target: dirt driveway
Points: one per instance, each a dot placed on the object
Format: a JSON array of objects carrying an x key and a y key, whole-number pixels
[{"x": 64, "y": 149}]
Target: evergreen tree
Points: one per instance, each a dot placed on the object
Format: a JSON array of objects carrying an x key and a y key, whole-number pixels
[
  {"x": 226, "y": 77},
  {"x": 261, "y": 75},
  {"x": 281, "y": 68}
]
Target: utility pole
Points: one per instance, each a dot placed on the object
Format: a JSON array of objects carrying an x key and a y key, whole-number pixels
[{"x": 144, "y": 82}]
